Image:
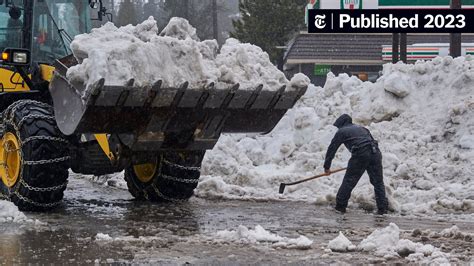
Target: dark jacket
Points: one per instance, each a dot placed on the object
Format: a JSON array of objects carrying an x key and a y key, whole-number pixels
[{"x": 354, "y": 137}]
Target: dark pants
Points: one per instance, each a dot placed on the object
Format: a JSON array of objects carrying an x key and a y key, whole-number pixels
[{"x": 360, "y": 162}]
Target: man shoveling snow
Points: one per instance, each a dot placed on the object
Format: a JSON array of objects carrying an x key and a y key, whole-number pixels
[{"x": 366, "y": 156}]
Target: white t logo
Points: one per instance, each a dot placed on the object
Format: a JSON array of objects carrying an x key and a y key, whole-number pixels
[{"x": 320, "y": 22}]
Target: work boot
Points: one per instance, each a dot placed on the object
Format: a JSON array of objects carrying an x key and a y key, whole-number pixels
[
  {"x": 340, "y": 209},
  {"x": 382, "y": 212}
]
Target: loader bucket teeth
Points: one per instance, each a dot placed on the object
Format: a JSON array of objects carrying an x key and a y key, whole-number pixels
[{"x": 152, "y": 113}]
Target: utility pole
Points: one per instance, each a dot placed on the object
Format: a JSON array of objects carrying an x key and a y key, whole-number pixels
[
  {"x": 455, "y": 38},
  {"x": 215, "y": 25},
  {"x": 395, "y": 43},
  {"x": 403, "y": 47},
  {"x": 186, "y": 9},
  {"x": 113, "y": 8}
]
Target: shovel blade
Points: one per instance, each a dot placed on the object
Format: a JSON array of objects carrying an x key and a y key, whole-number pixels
[{"x": 282, "y": 188}]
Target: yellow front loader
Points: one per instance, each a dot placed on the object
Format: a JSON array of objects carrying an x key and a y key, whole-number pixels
[{"x": 157, "y": 135}]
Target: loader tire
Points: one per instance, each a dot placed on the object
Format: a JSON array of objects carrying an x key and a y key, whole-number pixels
[
  {"x": 42, "y": 156},
  {"x": 171, "y": 177}
]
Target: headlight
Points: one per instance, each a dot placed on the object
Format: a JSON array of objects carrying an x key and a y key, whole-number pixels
[
  {"x": 20, "y": 58},
  {"x": 15, "y": 57}
]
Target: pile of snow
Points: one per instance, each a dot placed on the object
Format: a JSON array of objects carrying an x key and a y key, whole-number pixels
[
  {"x": 260, "y": 235},
  {"x": 103, "y": 237},
  {"x": 455, "y": 233},
  {"x": 422, "y": 115},
  {"x": 250, "y": 66},
  {"x": 116, "y": 180},
  {"x": 386, "y": 243},
  {"x": 175, "y": 55},
  {"x": 382, "y": 241},
  {"x": 341, "y": 244},
  {"x": 9, "y": 213}
]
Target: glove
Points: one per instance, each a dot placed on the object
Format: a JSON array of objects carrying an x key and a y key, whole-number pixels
[{"x": 327, "y": 172}]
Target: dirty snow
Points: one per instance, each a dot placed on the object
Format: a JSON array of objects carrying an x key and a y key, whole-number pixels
[
  {"x": 386, "y": 243},
  {"x": 103, "y": 237},
  {"x": 180, "y": 29},
  {"x": 106, "y": 238},
  {"x": 9, "y": 213},
  {"x": 382, "y": 241},
  {"x": 260, "y": 235},
  {"x": 249, "y": 65},
  {"x": 424, "y": 123},
  {"x": 341, "y": 244},
  {"x": 175, "y": 55},
  {"x": 455, "y": 233}
]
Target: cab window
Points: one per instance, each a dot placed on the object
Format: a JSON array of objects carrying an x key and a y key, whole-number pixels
[
  {"x": 11, "y": 25},
  {"x": 55, "y": 23}
]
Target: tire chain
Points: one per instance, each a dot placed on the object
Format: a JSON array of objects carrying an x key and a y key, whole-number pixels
[
  {"x": 23, "y": 119},
  {"x": 37, "y": 204},
  {"x": 38, "y": 189},
  {"x": 9, "y": 115},
  {"x": 44, "y": 138},
  {"x": 180, "y": 180},
  {"x": 50, "y": 161},
  {"x": 182, "y": 167},
  {"x": 161, "y": 195}
]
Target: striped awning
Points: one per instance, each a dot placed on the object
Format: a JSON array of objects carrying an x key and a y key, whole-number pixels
[
  {"x": 421, "y": 4},
  {"x": 426, "y": 52}
]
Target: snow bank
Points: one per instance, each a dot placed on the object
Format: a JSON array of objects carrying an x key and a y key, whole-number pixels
[
  {"x": 341, "y": 244},
  {"x": 260, "y": 235},
  {"x": 176, "y": 55},
  {"x": 422, "y": 115},
  {"x": 9, "y": 213}
]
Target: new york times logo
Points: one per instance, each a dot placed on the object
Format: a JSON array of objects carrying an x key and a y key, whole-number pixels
[
  {"x": 320, "y": 21},
  {"x": 391, "y": 21}
]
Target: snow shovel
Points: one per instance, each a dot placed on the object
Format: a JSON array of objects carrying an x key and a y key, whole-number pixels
[{"x": 283, "y": 185}]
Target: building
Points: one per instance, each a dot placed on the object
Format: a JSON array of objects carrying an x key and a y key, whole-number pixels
[
  {"x": 364, "y": 54},
  {"x": 359, "y": 54}
]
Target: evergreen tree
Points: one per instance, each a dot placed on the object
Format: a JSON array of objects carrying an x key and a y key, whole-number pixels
[
  {"x": 197, "y": 12},
  {"x": 150, "y": 9},
  {"x": 126, "y": 14},
  {"x": 179, "y": 8},
  {"x": 269, "y": 23}
]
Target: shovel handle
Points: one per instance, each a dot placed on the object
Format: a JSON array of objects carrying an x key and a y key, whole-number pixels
[{"x": 315, "y": 177}]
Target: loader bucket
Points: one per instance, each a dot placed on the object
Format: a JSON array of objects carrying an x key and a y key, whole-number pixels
[{"x": 152, "y": 113}]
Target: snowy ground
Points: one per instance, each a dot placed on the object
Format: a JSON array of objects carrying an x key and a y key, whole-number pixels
[{"x": 100, "y": 223}]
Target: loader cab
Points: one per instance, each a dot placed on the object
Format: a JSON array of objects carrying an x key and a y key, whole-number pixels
[
  {"x": 11, "y": 26},
  {"x": 45, "y": 27},
  {"x": 55, "y": 23}
]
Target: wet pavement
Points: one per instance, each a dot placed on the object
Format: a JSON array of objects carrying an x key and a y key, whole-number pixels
[{"x": 183, "y": 233}]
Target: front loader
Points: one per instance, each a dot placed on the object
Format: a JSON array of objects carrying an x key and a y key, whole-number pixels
[{"x": 158, "y": 135}]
